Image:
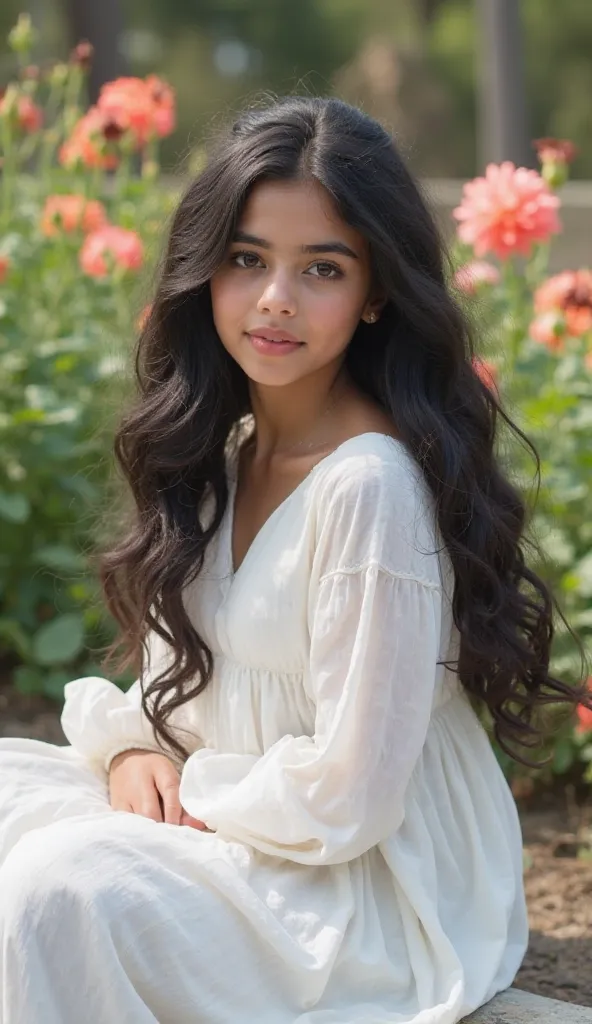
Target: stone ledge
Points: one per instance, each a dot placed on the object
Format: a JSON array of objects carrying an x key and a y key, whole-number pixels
[{"x": 514, "y": 1006}]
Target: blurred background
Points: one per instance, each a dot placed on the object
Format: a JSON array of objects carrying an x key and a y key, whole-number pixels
[{"x": 459, "y": 82}]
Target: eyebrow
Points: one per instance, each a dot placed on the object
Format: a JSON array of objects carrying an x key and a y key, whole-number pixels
[{"x": 318, "y": 247}]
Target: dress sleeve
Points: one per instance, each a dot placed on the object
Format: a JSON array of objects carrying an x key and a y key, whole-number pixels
[
  {"x": 374, "y": 643},
  {"x": 100, "y": 721}
]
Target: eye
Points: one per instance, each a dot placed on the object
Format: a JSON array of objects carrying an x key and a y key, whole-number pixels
[
  {"x": 329, "y": 271},
  {"x": 246, "y": 260}
]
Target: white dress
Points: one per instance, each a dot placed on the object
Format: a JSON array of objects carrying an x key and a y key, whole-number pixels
[{"x": 366, "y": 863}]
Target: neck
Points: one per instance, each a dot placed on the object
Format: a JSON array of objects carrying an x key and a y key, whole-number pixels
[{"x": 285, "y": 415}]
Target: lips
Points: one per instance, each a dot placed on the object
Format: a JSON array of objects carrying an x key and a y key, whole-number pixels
[{"x": 273, "y": 334}]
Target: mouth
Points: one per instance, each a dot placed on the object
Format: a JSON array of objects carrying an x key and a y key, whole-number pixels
[
  {"x": 273, "y": 334},
  {"x": 268, "y": 341}
]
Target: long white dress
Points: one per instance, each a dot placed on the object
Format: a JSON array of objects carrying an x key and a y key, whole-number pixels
[{"x": 366, "y": 863}]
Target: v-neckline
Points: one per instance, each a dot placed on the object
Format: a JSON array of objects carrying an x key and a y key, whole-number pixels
[{"x": 232, "y": 492}]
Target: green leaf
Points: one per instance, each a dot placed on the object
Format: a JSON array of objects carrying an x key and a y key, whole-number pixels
[
  {"x": 54, "y": 683},
  {"x": 28, "y": 679},
  {"x": 14, "y": 636},
  {"x": 16, "y": 508},
  {"x": 60, "y": 640},
  {"x": 60, "y": 558}
]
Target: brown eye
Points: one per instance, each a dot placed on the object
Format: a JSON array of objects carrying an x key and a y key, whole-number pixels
[
  {"x": 246, "y": 260},
  {"x": 327, "y": 270}
]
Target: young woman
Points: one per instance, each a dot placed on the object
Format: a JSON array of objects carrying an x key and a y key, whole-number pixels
[{"x": 294, "y": 815}]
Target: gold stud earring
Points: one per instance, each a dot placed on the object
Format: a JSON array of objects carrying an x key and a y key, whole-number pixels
[{"x": 371, "y": 318}]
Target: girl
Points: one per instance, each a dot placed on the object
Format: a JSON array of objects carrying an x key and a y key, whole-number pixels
[{"x": 295, "y": 813}]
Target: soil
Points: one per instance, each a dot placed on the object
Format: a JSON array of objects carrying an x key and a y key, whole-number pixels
[{"x": 557, "y": 833}]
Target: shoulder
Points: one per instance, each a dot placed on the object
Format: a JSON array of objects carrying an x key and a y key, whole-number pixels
[
  {"x": 371, "y": 467},
  {"x": 372, "y": 505}
]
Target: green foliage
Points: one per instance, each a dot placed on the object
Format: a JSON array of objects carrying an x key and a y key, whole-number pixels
[{"x": 65, "y": 355}]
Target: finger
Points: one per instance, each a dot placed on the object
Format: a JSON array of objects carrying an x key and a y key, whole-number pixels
[
  {"x": 148, "y": 804},
  {"x": 122, "y": 805},
  {"x": 186, "y": 819},
  {"x": 170, "y": 799}
]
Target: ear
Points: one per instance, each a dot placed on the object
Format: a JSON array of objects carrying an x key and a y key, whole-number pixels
[{"x": 373, "y": 309}]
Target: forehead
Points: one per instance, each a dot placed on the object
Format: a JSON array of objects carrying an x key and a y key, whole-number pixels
[{"x": 296, "y": 213}]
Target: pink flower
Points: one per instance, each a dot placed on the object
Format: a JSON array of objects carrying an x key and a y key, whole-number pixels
[
  {"x": 570, "y": 294},
  {"x": 71, "y": 212},
  {"x": 486, "y": 372},
  {"x": 548, "y": 329},
  {"x": 89, "y": 143},
  {"x": 29, "y": 117},
  {"x": 124, "y": 248},
  {"x": 4, "y": 267},
  {"x": 145, "y": 108},
  {"x": 585, "y": 714},
  {"x": 506, "y": 211},
  {"x": 478, "y": 272},
  {"x": 555, "y": 149}
]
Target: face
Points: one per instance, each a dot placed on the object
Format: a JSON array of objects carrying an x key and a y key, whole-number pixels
[{"x": 294, "y": 285}]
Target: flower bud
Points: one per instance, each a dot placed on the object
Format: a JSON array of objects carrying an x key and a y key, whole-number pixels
[
  {"x": 58, "y": 75},
  {"x": 23, "y": 35},
  {"x": 555, "y": 156},
  {"x": 82, "y": 54}
]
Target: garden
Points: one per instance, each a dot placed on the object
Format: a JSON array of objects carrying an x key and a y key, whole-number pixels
[{"x": 83, "y": 208}]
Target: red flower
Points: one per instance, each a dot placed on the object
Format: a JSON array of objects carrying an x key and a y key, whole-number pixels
[
  {"x": 4, "y": 267},
  {"x": 555, "y": 155},
  {"x": 568, "y": 294},
  {"x": 88, "y": 143},
  {"x": 506, "y": 211},
  {"x": 71, "y": 212},
  {"x": 123, "y": 247},
  {"x": 29, "y": 117},
  {"x": 548, "y": 329},
  {"x": 144, "y": 108},
  {"x": 585, "y": 714}
]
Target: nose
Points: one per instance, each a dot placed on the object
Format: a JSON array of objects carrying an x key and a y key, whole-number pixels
[{"x": 277, "y": 298}]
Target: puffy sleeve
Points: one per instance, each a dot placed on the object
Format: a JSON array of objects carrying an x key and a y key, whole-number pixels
[
  {"x": 100, "y": 720},
  {"x": 374, "y": 620}
]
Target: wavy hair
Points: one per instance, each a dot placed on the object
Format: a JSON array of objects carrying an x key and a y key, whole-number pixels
[{"x": 418, "y": 368}]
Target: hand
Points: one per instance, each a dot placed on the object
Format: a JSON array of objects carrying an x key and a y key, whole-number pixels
[{"x": 142, "y": 782}]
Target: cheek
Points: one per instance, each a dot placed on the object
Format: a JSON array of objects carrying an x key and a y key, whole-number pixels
[{"x": 334, "y": 311}]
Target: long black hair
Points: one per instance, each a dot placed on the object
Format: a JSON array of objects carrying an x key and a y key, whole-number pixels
[{"x": 418, "y": 368}]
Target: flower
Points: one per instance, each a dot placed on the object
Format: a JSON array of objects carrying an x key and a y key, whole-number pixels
[
  {"x": 123, "y": 247},
  {"x": 506, "y": 211},
  {"x": 145, "y": 108},
  {"x": 82, "y": 54},
  {"x": 88, "y": 143},
  {"x": 486, "y": 372},
  {"x": 4, "y": 267},
  {"x": 555, "y": 155},
  {"x": 28, "y": 116},
  {"x": 469, "y": 277},
  {"x": 70, "y": 213},
  {"x": 548, "y": 329},
  {"x": 570, "y": 294},
  {"x": 585, "y": 714}
]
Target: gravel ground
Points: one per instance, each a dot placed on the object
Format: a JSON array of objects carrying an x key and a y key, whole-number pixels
[{"x": 558, "y": 870}]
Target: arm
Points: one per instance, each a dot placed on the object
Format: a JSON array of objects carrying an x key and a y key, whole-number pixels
[
  {"x": 101, "y": 721},
  {"x": 375, "y": 637}
]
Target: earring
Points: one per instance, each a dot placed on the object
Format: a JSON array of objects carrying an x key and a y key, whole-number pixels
[{"x": 371, "y": 318}]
